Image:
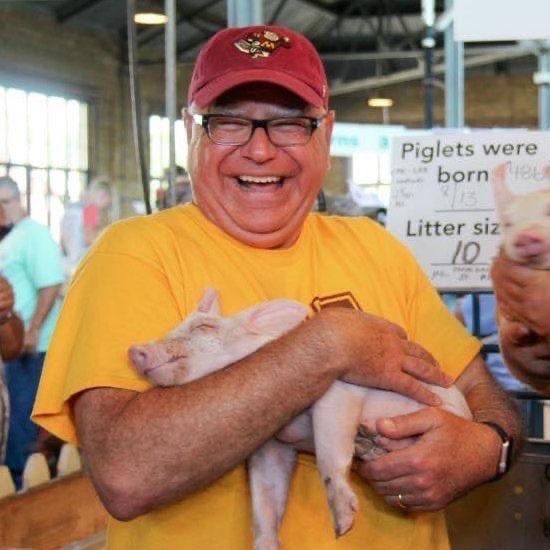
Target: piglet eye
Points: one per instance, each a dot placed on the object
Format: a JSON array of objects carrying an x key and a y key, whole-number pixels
[{"x": 505, "y": 222}]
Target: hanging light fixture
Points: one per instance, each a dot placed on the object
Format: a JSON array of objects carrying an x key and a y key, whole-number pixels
[
  {"x": 380, "y": 102},
  {"x": 149, "y": 12},
  {"x": 383, "y": 103}
]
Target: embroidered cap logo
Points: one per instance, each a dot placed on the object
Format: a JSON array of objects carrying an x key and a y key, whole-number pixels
[{"x": 261, "y": 44}]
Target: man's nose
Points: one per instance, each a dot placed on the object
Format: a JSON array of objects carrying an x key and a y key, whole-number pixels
[{"x": 259, "y": 148}]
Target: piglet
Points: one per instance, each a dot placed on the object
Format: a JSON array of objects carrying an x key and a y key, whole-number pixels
[
  {"x": 206, "y": 342},
  {"x": 525, "y": 221}
]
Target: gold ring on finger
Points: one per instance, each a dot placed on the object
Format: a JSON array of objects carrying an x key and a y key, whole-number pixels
[{"x": 400, "y": 502}]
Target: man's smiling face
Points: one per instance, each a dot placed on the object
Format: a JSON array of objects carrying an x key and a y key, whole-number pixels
[{"x": 259, "y": 193}]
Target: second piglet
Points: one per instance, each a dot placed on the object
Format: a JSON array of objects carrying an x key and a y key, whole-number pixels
[{"x": 524, "y": 220}]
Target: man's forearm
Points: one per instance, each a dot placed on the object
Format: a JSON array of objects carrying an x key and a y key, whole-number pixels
[
  {"x": 181, "y": 439},
  {"x": 46, "y": 299},
  {"x": 195, "y": 433},
  {"x": 489, "y": 402}
]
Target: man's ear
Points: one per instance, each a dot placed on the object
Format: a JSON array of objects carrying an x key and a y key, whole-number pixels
[{"x": 188, "y": 121}]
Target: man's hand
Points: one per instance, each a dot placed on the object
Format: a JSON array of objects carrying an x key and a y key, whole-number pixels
[
  {"x": 376, "y": 353},
  {"x": 431, "y": 472},
  {"x": 30, "y": 341},
  {"x": 527, "y": 354},
  {"x": 523, "y": 294}
]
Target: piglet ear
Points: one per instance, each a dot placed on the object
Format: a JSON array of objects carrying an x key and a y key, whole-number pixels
[
  {"x": 503, "y": 195},
  {"x": 210, "y": 302},
  {"x": 275, "y": 317},
  {"x": 500, "y": 172}
]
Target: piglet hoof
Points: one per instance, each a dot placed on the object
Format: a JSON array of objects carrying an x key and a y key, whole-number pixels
[
  {"x": 369, "y": 452},
  {"x": 363, "y": 445},
  {"x": 343, "y": 505}
]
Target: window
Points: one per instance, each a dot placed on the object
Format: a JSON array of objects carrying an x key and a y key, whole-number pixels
[
  {"x": 371, "y": 170},
  {"x": 159, "y": 151},
  {"x": 44, "y": 148}
]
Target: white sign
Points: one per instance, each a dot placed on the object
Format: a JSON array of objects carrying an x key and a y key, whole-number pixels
[
  {"x": 441, "y": 200},
  {"x": 487, "y": 20}
]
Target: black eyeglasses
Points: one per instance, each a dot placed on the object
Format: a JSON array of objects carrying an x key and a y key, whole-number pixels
[{"x": 283, "y": 132}]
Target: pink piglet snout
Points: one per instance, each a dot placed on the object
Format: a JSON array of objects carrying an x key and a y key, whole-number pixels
[
  {"x": 141, "y": 358},
  {"x": 530, "y": 243}
]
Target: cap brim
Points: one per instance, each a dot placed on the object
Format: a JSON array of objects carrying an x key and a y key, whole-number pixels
[{"x": 207, "y": 94}]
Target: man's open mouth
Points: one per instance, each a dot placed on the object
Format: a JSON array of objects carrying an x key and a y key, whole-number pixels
[{"x": 250, "y": 181}]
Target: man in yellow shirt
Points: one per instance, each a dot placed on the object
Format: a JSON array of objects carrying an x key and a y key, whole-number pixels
[{"x": 168, "y": 463}]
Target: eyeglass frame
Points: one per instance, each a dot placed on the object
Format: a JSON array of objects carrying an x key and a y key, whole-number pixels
[{"x": 202, "y": 120}]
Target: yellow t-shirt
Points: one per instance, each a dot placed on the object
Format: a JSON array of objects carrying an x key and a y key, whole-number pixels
[{"x": 146, "y": 274}]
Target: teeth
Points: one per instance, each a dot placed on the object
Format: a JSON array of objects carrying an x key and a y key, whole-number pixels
[{"x": 258, "y": 179}]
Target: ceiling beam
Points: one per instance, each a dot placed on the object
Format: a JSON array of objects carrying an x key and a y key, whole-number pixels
[
  {"x": 277, "y": 12},
  {"x": 72, "y": 8},
  {"x": 320, "y": 6},
  {"x": 418, "y": 73},
  {"x": 409, "y": 54},
  {"x": 363, "y": 42},
  {"x": 404, "y": 7},
  {"x": 185, "y": 16},
  {"x": 374, "y": 55}
]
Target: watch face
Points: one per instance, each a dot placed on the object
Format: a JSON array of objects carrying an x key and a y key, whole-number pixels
[{"x": 505, "y": 455}]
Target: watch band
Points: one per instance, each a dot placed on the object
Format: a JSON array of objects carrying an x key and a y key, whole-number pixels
[{"x": 505, "y": 458}]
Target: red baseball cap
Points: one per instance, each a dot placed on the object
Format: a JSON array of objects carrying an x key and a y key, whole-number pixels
[{"x": 261, "y": 53}]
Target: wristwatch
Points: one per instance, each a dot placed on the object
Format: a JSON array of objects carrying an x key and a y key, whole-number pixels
[{"x": 505, "y": 458}]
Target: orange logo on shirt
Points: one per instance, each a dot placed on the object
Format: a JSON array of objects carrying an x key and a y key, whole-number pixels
[{"x": 343, "y": 299}]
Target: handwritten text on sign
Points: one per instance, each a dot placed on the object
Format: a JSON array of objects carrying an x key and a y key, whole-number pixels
[{"x": 441, "y": 202}]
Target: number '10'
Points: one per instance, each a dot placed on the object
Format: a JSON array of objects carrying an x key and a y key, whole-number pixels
[{"x": 466, "y": 253}]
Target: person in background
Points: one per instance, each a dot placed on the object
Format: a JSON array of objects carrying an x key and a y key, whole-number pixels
[
  {"x": 31, "y": 261},
  {"x": 183, "y": 191},
  {"x": 523, "y": 298},
  {"x": 168, "y": 462},
  {"x": 11, "y": 342},
  {"x": 84, "y": 220}
]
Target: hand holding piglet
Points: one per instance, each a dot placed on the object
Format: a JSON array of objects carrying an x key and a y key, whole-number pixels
[
  {"x": 429, "y": 450},
  {"x": 521, "y": 279},
  {"x": 375, "y": 352},
  {"x": 523, "y": 295},
  {"x": 521, "y": 271}
]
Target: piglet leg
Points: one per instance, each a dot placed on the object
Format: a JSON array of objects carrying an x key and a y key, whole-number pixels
[
  {"x": 335, "y": 422},
  {"x": 270, "y": 469}
]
